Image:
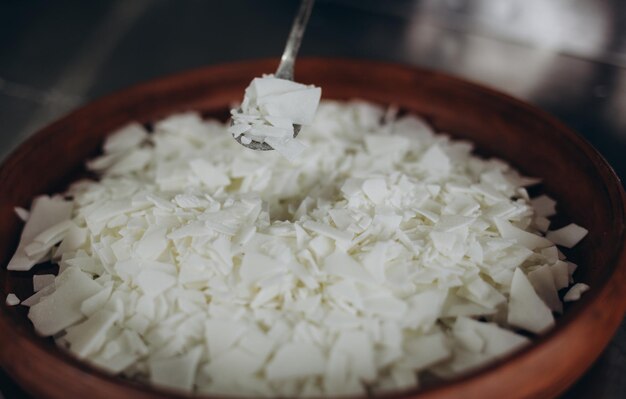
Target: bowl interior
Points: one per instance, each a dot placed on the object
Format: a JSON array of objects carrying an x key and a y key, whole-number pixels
[{"x": 587, "y": 191}]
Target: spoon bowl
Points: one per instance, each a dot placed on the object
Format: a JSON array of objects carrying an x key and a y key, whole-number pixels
[{"x": 287, "y": 62}]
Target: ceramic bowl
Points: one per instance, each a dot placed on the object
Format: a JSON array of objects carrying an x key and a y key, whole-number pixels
[{"x": 587, "y": 190}]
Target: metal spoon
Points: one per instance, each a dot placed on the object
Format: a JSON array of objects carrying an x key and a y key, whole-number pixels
[{"x": 287, "y": 61}]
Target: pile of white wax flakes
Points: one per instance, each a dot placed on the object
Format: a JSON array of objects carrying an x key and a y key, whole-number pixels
[{"x": 382, "y": 252}]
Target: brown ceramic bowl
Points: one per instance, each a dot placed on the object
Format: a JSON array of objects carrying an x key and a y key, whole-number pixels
[{"x": 587, "y": 190}]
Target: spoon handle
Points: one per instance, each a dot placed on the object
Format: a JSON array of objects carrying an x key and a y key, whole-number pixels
[{"x": 287, "y": 61}]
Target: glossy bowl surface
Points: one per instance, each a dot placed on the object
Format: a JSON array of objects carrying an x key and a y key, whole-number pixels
[{"x": 587, "y": 190}]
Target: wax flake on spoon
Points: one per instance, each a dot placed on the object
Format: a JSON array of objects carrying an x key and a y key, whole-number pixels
[{"x": 270, "y": 109}]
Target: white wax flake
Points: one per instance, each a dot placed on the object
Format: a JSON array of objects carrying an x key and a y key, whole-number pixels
[
  {"x": 270, "y": 109},
  {"x": 543, "y": 282},
  {"x": 386, "y": 144},
  {"x": 298, "y": 106},
  {"x": 255, "y": 266},
  {"x": 453, "y": 222},
  {"x": 210, "y": 175},
  {"x": 526, "y": 309},
  {"x": 94, "y": 303},
  {"x": 153, "y": 282},
  {"x": 288, "y": 362},
  {"x": 41, "y": 281},
  {"x": 54, "y": 234},
  {"x": 152, "y": 244},
  {"x": 375, "y": 189},
  {"x": 74, "y": 238},
  {"x": 279, "y": 121},
  {"x": 494, "y": 340},
  {"x": 567, "y": 236},
  {"x": 21, "y": 213},
  {"x": 125, "y": 138},
  {"x": 61, "y": 309},
  {"x": 37, "y": 296},
  {"x": 342, "y": 264},
  {"x": 435, "y": 160},
  {"x": 560, "y": 274},
  {"x": 468, "y": 339},
  {"x": 479, "y": 291},
  {"x": 45, "y": 213},
  {"x": 177, "y": 372},
  {"x": 529, "y": 240},
  {"x": 269, "y": 85},
  {"x": 133, "y": 161},
  {"x": 356, "y": 262},
  {"x": 374, "y": 260},
  {"x": 347, "y": 291},
  {"x": 288, "y": 147},
  {"x": 403, "y": 378},
  {"x": 425, "y": 308},
  {"x": 264, "y": 132},
  {"x": 12, "y": 300},
  {"x": 222, "y": 334},
  {"x": 328, "y": 231},
  {"x": 426, "y": 350},
  {"x": 358, "y": 349},
  {"x": 238, "y": 129},
  {"x": 87, "y": 337},
  {"x": 237, "y": 362},
  {"x": 386, "y": 307},
  {"x": 575, "y": 292}
]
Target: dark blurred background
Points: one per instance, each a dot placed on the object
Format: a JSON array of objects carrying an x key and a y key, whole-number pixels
[{"x": 565, "y": 56}]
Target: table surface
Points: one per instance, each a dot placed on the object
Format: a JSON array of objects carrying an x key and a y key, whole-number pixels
[{"x": 566, "y": 57}]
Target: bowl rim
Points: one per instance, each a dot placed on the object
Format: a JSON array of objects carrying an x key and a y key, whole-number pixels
[{"x": 586, "y": 311}]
